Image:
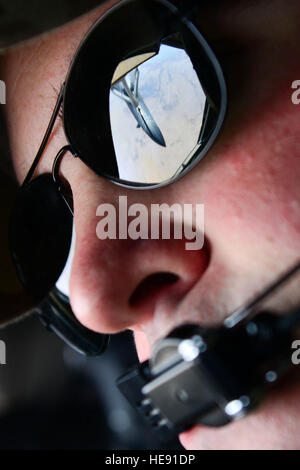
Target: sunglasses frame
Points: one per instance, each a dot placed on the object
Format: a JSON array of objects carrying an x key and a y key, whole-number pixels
[
  {"x": 81, "y": 108},
  {"x": 67, "y": 326}
]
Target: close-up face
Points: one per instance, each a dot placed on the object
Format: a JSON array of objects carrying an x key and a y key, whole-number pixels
[{"x": 248, "y": 184}]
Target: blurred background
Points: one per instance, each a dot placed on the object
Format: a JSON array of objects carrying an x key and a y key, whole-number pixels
[{"x": 52, "y": 397}]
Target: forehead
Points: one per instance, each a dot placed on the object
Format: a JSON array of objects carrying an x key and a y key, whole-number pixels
[
  {"x": 242, "y": 20},
  {"x": 249, "y": 20},
  {"x": 221, "y": 22}
]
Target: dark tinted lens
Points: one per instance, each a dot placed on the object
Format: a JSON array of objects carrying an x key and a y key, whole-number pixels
[
  {"x": 145, "y": 109},
  {"x": 40, "y": 235},
  {"x": 13, "y": 299}
]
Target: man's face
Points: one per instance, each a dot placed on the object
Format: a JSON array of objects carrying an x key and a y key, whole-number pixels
[{"x": 248, "y": 183}]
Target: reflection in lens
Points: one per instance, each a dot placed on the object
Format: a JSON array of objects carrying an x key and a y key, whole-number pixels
[
  {"x": 156, "y": 112},
  {"x": 128, "y": 90}
]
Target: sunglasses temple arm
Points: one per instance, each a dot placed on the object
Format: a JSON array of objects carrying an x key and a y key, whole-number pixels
[
  {"x": 55, "y": 172},
  {"x": 46, "y": 137}
]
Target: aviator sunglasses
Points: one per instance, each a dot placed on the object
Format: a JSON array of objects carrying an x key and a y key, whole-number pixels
[{"x": 143, "y": 102}]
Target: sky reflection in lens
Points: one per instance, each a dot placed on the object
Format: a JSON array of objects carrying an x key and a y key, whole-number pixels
[{"x": 169, "y": 95}]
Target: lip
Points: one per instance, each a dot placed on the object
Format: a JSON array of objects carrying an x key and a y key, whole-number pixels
[
  {"x": 171, "y": 312},
  {"x": 273, "y": 424},
  {"x": 268, "y": 427}
]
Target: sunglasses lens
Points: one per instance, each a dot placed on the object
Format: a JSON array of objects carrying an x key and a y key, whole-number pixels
[
  {"x": 40, "y": 235},
  {"x": 154, "y": 100}
]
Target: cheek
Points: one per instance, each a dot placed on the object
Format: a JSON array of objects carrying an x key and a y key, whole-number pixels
[{"x": 251, "y": 184}]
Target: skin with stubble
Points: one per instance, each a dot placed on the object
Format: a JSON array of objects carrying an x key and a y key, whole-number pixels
[{"x": 248, "y": 182}]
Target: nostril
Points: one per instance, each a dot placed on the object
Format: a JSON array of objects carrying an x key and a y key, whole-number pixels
[{"x": 151, "y": 286}]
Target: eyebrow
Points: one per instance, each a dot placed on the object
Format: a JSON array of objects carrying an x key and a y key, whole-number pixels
[{"x": 249, "y": 21}]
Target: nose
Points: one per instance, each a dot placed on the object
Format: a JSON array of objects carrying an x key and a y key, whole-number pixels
[{"x": 117, "y": 283}]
